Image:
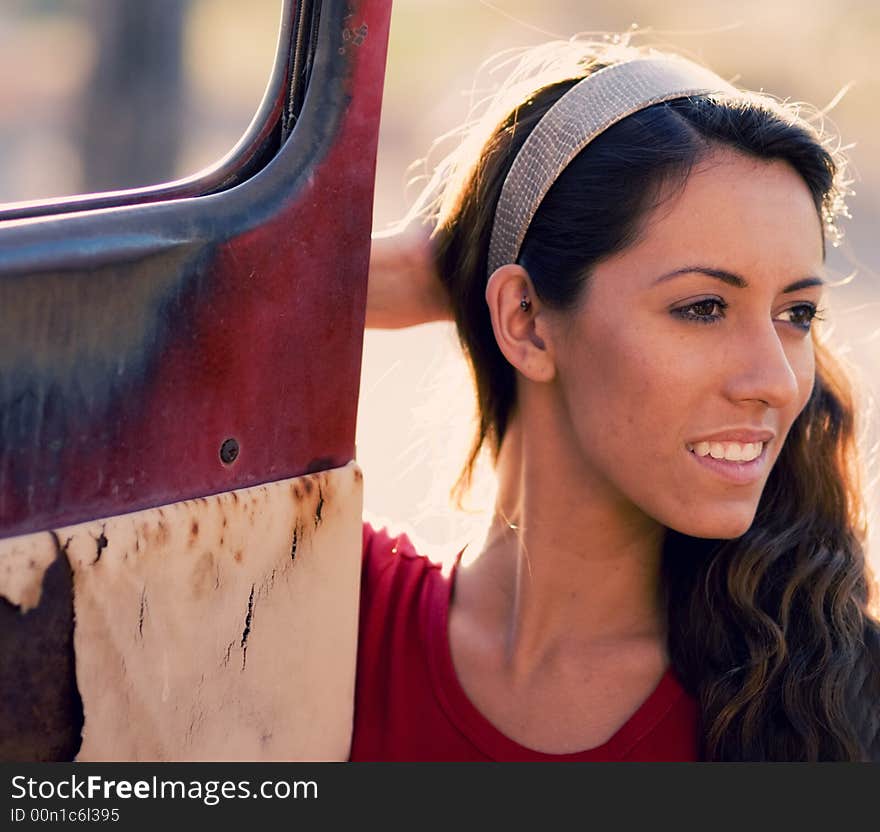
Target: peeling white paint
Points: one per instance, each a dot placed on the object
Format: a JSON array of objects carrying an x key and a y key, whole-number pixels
[
  {"x": 23, "y": 563},
  {"x": 201, "y": 635}
]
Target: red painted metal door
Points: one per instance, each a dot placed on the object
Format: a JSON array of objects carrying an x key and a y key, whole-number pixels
[{"x": 173, "y": 357}]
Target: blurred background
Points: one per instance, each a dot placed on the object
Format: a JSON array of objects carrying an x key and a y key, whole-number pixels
[{"x": 107, "y": 94}]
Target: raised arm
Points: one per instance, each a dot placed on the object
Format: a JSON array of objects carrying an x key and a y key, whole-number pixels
[{"x": 403, "y": 288}]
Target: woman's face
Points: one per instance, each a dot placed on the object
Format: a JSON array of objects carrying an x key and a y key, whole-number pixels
[{"x": 694, "y": 343}]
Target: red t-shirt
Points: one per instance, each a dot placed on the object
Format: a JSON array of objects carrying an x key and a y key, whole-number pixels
[{"x": 409, "y": 704}]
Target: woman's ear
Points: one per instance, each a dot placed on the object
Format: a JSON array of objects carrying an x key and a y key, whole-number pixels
[{"x": 520, "y": 323}]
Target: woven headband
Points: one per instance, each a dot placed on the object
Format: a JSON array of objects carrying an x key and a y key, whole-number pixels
[{"x": 586, "y": 110}]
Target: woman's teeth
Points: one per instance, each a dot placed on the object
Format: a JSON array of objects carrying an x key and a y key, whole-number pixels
[{"x": 733, "y": 451}]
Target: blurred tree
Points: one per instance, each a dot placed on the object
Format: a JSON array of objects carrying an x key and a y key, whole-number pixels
[{"x": 131, "y": 117}]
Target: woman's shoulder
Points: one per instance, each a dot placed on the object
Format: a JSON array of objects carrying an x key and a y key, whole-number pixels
[
  {"x": 400, "y": 587},
  {"x": 389, "y": 554}
]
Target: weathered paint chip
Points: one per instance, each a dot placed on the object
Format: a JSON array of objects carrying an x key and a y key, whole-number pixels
[{"x": 230, "y": 652}]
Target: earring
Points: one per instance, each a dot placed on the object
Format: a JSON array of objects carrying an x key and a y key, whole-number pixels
[{"x": 524, "y": 304}]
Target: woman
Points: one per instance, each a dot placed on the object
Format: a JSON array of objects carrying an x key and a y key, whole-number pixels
[{"x": 631, "y": 250}]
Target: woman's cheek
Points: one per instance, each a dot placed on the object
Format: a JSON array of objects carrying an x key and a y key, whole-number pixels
[{"x": 804, "y": 368}]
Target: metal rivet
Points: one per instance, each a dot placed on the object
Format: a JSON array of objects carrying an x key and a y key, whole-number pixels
[{"x": 229, "y": 451}]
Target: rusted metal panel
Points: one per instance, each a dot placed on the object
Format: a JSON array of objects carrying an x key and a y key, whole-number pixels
[
  {"x": 220, "y": 628},
  {"x": 134, "y": 341}
]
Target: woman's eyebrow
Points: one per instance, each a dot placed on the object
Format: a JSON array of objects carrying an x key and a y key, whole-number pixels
[{"x": 736, "y": 280}]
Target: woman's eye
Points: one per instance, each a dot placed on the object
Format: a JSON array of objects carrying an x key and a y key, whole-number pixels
[
  {"x": 702, "y": 311},
  {"x": 712, "y": 309},
  {"x": 803, "y": 315}
]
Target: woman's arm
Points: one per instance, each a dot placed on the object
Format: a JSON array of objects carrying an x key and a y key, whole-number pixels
[{"x": 403, "y": 288}]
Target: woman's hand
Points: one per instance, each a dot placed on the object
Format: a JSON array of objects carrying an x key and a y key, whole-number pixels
[{"x": 403, "y": 287}]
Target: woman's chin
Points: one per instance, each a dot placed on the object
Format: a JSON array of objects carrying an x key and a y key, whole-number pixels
[{"x": 720, "y": 527}]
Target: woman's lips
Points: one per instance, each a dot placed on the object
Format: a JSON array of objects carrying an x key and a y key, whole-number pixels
[{"x": 741, "y": 473}]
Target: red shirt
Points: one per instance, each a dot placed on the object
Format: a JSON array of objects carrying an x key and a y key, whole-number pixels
[{"x": 409, "y": 704}]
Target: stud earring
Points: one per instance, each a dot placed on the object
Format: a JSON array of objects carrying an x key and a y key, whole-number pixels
[{"x": 525, "y": 303}]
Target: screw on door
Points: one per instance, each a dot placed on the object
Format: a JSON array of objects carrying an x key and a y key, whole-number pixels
[{"x": 229, "y": 451}]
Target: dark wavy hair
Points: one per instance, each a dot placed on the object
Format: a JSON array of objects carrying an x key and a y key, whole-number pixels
[{"x": 771, "y": 632}]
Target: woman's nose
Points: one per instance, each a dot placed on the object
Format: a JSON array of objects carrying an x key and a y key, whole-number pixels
[{"x": 760, "y": 368}]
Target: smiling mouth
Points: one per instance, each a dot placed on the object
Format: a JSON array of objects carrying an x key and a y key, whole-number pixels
[
  {"x": 741, "y": 471},
  {"x": 728, "y": 451}
]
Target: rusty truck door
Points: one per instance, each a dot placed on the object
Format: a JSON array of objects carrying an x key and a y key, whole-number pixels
[{"x": 180, "y": 509}]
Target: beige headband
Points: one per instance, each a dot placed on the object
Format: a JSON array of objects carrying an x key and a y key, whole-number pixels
[{"x": 586, "y": 110}]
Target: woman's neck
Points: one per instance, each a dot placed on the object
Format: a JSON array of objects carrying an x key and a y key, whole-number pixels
[{"x": 567, "y": 567}]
